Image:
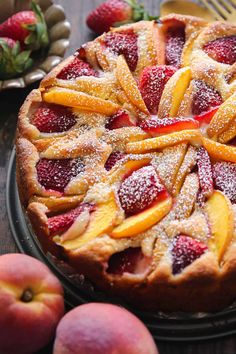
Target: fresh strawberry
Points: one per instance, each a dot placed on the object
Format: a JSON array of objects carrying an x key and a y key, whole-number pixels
[
  {"x": 156, "y": 126},
  {"x": 13, "y": 61},
  {"x": 175, "y": 39},
  {"x": 224, "y": 176},
  {"x": 206, "y": 117},
  {"x": 56, "y": 174},
  {"x": 27, "y": 27},
  {"x": 222, "y": 49},
  {"x": 53, "y": 118},
  {"x": 185, "y": 251},
  {"x": 205, "y": 97},
  {"x": 113, "y": 13},
  {"x": 125, "y": 261},
  {"x": 75, "y": 69},
  {"x": 119, "y": 120},
  {"x": 152, "y": 82},
  {"x": 140, "y": 190},
  {"x": 113, "y": 159},
  {"x": 124, "y": 43},
  {"x": 204, "y": 172},
  {"x": 60, "y": 223}
]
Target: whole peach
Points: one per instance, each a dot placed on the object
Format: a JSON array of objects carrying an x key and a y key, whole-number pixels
[
  {"x": 31, "y": 304},
  {"x": 98, "y": 328}
]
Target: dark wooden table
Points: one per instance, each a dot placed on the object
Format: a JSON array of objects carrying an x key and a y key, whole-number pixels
[{"x": 10, "y": 102}]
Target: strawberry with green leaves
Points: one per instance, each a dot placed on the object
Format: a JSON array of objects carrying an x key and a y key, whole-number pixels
[
  {"x": 27, "y": 27},
  {"x": 13, "y": 61},
  {"x": 113, "y": 13}
]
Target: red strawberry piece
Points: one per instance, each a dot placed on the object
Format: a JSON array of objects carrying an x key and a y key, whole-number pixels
[
  {"x": 140, "y": 190},
  {"x": 112, "y": 13},
  {"x": 224, "y": 176},
  {"x": 175, "y": 40},
  {"x": 205, "y": 97},
  {"x": 53, "y": 118},
  {"x": 13, "y": 61},
  {"x": 222, "y": 49},
  {"x": 113, "y": 159},
  {"x": 152, "y": 82},
  {"x": 28, "y": 27},
  {"x": 76, "y": 69},
  {"x": 206, "y": 117},
  {"x": 156, "y": 126},
  {"x": 125, "y": 261},
  {"x": 119, "y": 120},
  {"x": 124, "y": 43},
  {"x": 60, "y": 223},
  {"x": 185, "y": 251},
  {"x": 56, "y": 174},
  {"x": 205, "y": 172}
]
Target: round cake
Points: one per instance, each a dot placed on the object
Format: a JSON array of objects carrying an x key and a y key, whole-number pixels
[{"x": 126, "y": 163}]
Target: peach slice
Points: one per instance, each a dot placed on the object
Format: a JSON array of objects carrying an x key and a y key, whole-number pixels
[
  {"x": 81, "y": 100},
  {"x": 163, "y": 141},
  {"x": 102, "y": 220},
  {"x": 129, "y": 85},
  {"x": 174, "y": 92},
  {"x": 223, "y": 117},
  {"x": 219, "y": 151},
  {"x": 127, "y": 168},
  {"x": 143, "y": 221},
  {"x": 220, "y": 215},
  {"x": 228, "y": 134},
  {"x": 55, "y": 204}
]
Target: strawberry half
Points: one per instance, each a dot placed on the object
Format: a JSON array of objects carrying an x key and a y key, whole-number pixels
[
  {"x": 76, "y": 69},
  {"x": 206, "y": 117},
  {"x": 119, "y": 120},
  {"x": 152, "y": 82},
  {"x": 125, "y": 261},
  {"x": 205, "y": 97},
  {"x": 224, "y": 176},
  {"x": 222, "y": 50},
  {"x": 51, "y": 118},
  {"x": 204, "y": 172},
  {"x": 185, "y": 251},
  {"x": 60, "y": 223},
  {"x": 138, "y": 191},
  {"x": 56, "y": 174},
  {"x": 175, "y": 40},
  {"x": 124, "y": 43},
  {"x": 156, "y": 126},
  {"x": 13, "y": 61},
  {"x": 27, "y": 27},
  {"x": 113, "y": 159},
  {"x": 113, "y": 13}
]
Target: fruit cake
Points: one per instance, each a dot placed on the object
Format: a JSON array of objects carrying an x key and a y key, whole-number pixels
[{"x": 126, "y": 163}]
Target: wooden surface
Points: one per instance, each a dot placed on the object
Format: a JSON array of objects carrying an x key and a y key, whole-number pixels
[{"x": 10, "y": 102}]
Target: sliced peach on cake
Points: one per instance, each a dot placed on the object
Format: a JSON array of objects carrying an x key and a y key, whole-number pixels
[
  {"x": 124, "y": 170},
  {"x": 219, "y": 151},
  {"x": 174, "y": 92},
  {"x": 129, "y": 84},
  {"x": 141, "y": 222},
  {"x": 164, "y": 141},
  {"x": 220, "y": 216},
  {"x": 102, "y": 220},
  {"x": 72, "y": 98},
  {"x": 223, "y": 117}
]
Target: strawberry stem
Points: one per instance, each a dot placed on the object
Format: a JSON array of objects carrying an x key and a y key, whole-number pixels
[{"x": 139, "y": 12}]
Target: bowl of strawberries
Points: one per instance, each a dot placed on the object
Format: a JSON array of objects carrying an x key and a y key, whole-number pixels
[{"x": 34, "y": 35}]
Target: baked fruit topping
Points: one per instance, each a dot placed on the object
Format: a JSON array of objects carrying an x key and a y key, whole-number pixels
[
  {"x": 126, "y": 163},
  {"x": 56, "y": 174},
  {"x": 185, "y": 251},
  {"x": 76, "y": 69},
  {"x": 138, "y": 191},
  {"x": 152, "y": 83},
  {"x": 53, "y": 118},
  {"x": 222, "y": 50}
]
